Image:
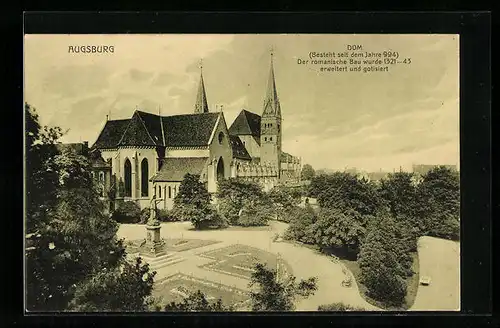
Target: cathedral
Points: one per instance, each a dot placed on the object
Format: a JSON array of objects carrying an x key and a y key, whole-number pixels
[{"x": 148, "y": 155}]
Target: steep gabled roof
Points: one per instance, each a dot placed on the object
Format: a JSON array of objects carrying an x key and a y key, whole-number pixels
[
  {"x": 189, "y": 130},
  {"x": 136, "y": 133},
  {"x": 153, "y": 125},
  {"x": 239, "y": 150},
  {"x": 146, "y": 129},
  {"x": 247, "y": 123},
  {"x": 111, "y": 134},
  {"x": 173, "y": 169}
]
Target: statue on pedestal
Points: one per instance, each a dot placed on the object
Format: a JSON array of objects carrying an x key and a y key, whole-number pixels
[{"x": 153, "y": 237}]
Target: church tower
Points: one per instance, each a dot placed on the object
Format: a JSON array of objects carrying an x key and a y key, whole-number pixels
[
  {"x": 270, "y": 125},
  {"x": 201, "y": 105}
]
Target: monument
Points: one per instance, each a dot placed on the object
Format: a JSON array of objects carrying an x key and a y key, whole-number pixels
[{"x": 154, "y": 243}]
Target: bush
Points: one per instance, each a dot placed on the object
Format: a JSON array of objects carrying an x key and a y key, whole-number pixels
[
  {"x": 339, "y": 307},
  {"x": 144, "y": 217},
  {"x": 128, "y": 212},
  {"x": 386, "y": 285},
  {"x": 447, "y": 228},
  {"x": 165, "y": 215},
  {"x": 216, "y": 220},
  {"x": 301, "y": 225},
  {"x": 254, "y": 213}
]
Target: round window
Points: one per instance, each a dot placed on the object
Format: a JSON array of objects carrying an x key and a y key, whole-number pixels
[{"x": 221, "y": 137}]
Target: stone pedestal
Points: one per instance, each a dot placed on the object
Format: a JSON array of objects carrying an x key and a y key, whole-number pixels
[{"x": 154, "y": 242}]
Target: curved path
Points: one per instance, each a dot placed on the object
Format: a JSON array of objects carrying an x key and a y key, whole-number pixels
[
  {"x": 305, "y": 262},
  {"x": 440, "y": 260}
]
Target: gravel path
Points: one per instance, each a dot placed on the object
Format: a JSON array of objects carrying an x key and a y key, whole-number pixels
[
  {"x": 440, "y": 260},
  {"x": 304, "y": 262}
]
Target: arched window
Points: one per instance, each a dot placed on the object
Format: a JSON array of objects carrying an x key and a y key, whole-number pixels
[
  {"x": 221, "y": 137},
  {"x": 101, "y": 177},
  {"x": 128, "y": 178},
  {"x": 169, "y": 192},
  {"x": 265, "y": 138},
  {"x": 93, "y": 175},
  {"x": 144, "y": 178},
  {"x": 270, "y": 138},
  {"x": 159, "y": 192}
]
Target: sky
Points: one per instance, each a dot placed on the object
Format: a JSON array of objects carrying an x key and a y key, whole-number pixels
[{"x": 371, "y": 121}]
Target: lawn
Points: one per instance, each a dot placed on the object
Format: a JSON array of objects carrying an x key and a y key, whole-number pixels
[
  {"x": 179, "y": 286},
  {"x": 240, "y": 260}
]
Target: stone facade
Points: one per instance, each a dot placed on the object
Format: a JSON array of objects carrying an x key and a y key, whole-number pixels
[{"x": 148, "y": 155}]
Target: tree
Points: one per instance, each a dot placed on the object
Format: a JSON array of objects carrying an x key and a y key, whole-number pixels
[
  {"x": 400, "y": 193},
  {"x": 69, "y": 238},
  {"x": 243, "y": 203},
  {"x": 269, "y": 294},
  {"x": 285, "y": 200},
  {"x": 193, "y": 203},
  {"x": 197, "y": 302},
  {"x": 384, "y": 261},
  {"x": 439, "y": 194},
  {"x": 345, "y": 191},
  {"x": 339, "y": 229},
  {"x": 131, "y": 284},
  {"x": 307, "y": 172},
  {"x": 301, "y": 225}
]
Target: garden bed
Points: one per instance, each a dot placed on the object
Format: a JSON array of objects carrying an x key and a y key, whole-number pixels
[
  {"x": 240, "y": 260},
  {"x": 171, "y": 244},
  {"x": 179, "y": 286}
]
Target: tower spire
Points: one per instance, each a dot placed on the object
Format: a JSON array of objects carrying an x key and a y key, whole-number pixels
[
  {"x": 201, "y": 105},
  {"x": 271, "y": 102}
]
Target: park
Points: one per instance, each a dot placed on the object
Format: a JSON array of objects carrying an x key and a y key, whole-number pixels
[{"x": 219, "y": 262}]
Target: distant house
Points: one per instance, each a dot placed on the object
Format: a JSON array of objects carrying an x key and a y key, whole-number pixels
[{"x": 422, "y": 169}]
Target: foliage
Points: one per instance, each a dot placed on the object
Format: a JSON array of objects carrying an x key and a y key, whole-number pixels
[
  {"x": 192, "y": 192},
  {"x": 255, "y": 212},
  {"x": 165, "y": 215},
  {"x": 243, "y": 203},
  {"x": 333, "y": 307},
  {"x": 301, "y": 224},
  {"x": 345, "y": 191},
  {"x": 270, "y": 294},
  {"x": 385, "y": 260},
  {"x": 336, "y": 228},
  {"x": 447, "y": 227},
  {"x": 285, "y": 200},
  {"x": 128, "y": 212},
  {"x": 69, "y": 238},
  {"x": 307, "y": 172},
  {"x": 192, "y": 202},
  {"x": 439, "y": 194},
  {"x": 400, "y": 193},
  {"x": 197, "y": 302},
  {"x": 144, "y": 216},
  {"x": 131, "y": 285}
]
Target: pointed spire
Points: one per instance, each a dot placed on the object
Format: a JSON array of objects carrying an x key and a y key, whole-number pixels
[
  {"x": 271, "y": 93},
  {"x": 201, "y": 105}
]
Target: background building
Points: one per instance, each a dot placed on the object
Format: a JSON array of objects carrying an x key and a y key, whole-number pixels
[{"x": 150, "y": 154}]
